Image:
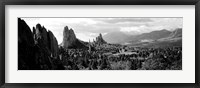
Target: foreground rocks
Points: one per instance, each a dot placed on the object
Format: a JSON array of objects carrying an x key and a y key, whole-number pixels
[
  {"x": 26, "y": 50},
  {"x": 37, "y": 50}
]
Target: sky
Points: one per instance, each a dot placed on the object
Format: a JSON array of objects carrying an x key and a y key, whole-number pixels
[{"x": 89, "y": 28}]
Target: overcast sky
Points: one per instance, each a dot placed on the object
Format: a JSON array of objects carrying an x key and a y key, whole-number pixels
[{"x": 89, "y": 28}]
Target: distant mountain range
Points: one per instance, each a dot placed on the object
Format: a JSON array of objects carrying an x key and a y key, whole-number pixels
[
  {"x": 176, "y": 33},
  {"x": 154, "y": 35},
  {"x": 117, "y": 37},
  {"x": 151, "y": 37}
]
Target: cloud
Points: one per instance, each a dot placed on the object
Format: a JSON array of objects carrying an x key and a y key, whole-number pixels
[
  {"x": 156, "y": 24},
  {"x": 169, "y": 23},
  {"x": 95, "y": 28},
  {"x": 140, "y": 29},
  {"x": 125, "y": 20}
]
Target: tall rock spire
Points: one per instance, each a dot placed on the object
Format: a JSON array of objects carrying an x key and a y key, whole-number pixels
[
  {"x": 100, "y": 40},
  {"x": 70, "y": 40},
  {"x": 68, "y": 37}
]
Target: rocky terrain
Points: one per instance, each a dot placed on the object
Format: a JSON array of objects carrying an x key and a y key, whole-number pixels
[{"x": 37, "y": 50}]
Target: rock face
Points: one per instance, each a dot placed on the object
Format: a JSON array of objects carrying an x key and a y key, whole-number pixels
[
  {"x": 70, "y": 40},
  {"x": 68, "y": 37},
  {"x": 53, "y": 44},
  {"x": 100, "y": 40},
  {"x": 37, "y": 50},
  {"x": 45, "y": 39},
  {"x": 26, "y": 51}
]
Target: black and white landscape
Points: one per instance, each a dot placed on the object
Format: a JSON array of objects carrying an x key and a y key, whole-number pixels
[{"x": 100, "y": 43}]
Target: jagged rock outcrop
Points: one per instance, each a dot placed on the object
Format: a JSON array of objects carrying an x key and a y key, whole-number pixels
[
  {"x": 38, "y": 50},
  {"x": 70, "y": 40},
  {"x": 45, "y": 38},
  {"x": 53, "y": 44},
  {"x": 100, "y": 40},
  {"x": 40, "y": 35},
  {"x": 68, "y": 37},
  {"x": 26, "y": 51}
]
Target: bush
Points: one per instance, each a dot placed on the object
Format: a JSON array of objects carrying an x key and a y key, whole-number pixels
[
  {"x": 120, "y": 65},
  {"x": 154, "y": 64}
]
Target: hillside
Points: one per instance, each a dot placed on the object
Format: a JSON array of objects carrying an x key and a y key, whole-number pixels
[
  {"x": 154, "y": 35},
  {"x": 167, "y": 38},
  {"x": 117, "y": 37}
]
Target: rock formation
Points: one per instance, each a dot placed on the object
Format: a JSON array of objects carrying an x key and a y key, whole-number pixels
[
  {"x": 45, "y": 38},
  {"x": 70, "y": 40},
  {"x": 68, "y": 37},
  {"x": 53, "y": 44},
  {"x": 37, "y": 50},
  {"x": 100, "y": 40},
  {"x": 26, "y": 52}
]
